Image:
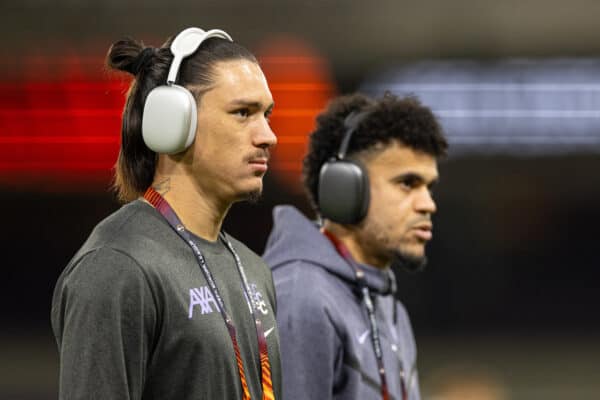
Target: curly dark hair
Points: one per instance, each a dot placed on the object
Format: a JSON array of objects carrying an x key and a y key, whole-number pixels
[{"x": 389, "y": 118}]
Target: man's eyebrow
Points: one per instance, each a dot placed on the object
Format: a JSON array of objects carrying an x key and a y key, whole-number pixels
[
  {"x": 415, "y": 177},
  {"x": 250, "y": 104}
]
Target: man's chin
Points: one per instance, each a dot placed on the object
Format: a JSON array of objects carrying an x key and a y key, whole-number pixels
[
  {"x": 254, "y": 196},
  {"x": 251, "y": 196},
  {"x": 409, "y": 262}
]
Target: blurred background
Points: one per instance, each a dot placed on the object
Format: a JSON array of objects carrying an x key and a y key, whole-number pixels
[{"x": 505, "y": 309}]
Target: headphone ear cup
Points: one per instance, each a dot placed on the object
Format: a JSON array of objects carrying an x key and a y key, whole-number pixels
[
  {"x": 344, "y": 192},
  {"x": 169, "y": 119}
]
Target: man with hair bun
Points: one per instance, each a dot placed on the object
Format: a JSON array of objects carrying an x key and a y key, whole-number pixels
[
  {"x": 160, "y": 302},
  {"x": 369, "y": 173}
]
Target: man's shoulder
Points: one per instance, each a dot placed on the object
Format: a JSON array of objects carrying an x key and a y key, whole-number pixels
[
  {"x": 309, "y": 280},
  {"x": 133, "y": 232},
  {"x": 101, "y": 264},
  {"x": 132, "y": 218}
]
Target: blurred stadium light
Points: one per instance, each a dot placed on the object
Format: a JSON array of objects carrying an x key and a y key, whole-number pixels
[{"x": 517, "y": 107}]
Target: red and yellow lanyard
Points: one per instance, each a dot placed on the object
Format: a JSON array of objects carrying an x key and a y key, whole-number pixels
[{"x": 163, "y": 207}]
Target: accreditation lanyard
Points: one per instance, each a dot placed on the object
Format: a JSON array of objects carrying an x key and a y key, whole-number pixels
[
  {"x": 163, "y": 207},
  {"x": 366, "y": 294}
]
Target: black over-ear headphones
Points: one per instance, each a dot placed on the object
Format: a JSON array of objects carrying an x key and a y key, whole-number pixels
[{"x": 344, "y": 184}]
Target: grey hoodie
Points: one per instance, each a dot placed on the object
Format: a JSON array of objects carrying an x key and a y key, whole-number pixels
[{"x": 326, "y": 348}]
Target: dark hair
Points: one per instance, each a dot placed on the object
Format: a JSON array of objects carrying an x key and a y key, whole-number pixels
[
  {"x": 135, "y": 167},
  {"x": 388, "y": 119}
]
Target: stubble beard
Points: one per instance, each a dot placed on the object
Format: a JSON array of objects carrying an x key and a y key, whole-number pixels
[
  {"x": 408, "y": 262},
  {"x": 253, "y": 196},
  {"x": 397, "y": 256}
]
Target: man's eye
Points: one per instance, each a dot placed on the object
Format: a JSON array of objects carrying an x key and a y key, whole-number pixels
[
  {"x": 407, "y": 186},
  {"x": 408, "y": 183},
  {"x": 242, "y": 112}
]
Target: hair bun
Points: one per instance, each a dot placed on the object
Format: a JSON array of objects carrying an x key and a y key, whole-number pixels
[
  {"x": 124, "y": 55},
  {"x": 142, "y": 60}
]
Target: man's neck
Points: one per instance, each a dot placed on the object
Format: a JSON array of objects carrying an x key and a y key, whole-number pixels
[
  {"x": 201, "y": 213},
  {"x": 349, "y": 239}
]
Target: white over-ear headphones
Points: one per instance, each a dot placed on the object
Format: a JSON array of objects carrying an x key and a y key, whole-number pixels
[{"x": 170, "y": 112}]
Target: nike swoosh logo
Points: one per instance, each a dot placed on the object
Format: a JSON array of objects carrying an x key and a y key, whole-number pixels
[
  {"x": 363, "y": 337},
  {"x": 269, "y": 331}
]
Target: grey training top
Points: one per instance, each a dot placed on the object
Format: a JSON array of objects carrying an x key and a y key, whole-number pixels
[{"x": 134, "y": 318}]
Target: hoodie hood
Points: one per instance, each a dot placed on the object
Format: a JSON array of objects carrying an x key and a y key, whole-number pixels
[{"x": 295, "y": 238}]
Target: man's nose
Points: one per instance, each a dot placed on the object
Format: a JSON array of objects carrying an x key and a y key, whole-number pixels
[
  {"x": 265, "y": 137},
  {"x": 424, "y": 202}
]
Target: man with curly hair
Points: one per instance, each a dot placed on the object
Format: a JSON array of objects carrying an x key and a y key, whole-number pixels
[{"x": 369, "y": 173}]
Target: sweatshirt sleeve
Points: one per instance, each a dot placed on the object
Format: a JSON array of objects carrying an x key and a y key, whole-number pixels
[
  {"x": 310, "y": 346},
  {"x": 103, "y": 317}
]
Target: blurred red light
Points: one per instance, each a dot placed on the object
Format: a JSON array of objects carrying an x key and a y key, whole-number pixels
[
  {"x": 59, "y": 135},
  {"x": 60, "y": 118},
  {"x": 301, "y": 85}
]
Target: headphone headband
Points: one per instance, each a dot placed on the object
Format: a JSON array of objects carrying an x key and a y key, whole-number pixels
[
  {"x": 351, "y": 123},
  {"x": 186, "y": 43}
]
